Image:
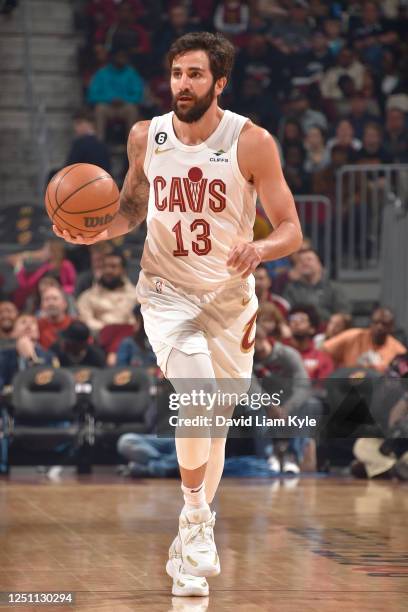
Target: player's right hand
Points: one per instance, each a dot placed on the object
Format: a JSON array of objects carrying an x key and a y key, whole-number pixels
[{"x": 79, "y": 239}]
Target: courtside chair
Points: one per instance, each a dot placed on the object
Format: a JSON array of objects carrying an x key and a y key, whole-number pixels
[{"x": 44, "y": 417}]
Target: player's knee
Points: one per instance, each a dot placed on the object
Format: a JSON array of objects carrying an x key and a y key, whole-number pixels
[{"x": 192, "y": 453}]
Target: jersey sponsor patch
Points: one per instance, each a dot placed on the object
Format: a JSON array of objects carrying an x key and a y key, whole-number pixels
[{"x": 219, "y": 156}]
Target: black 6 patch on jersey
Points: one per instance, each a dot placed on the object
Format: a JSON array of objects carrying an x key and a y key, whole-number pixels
[{"x": 160, "y": 138}]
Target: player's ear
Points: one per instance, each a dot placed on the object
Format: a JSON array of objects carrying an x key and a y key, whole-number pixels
[{"x": 220, "y": 85}]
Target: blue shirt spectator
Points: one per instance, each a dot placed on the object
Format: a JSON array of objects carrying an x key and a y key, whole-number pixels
[
  {"x": 116, "y": 81},
  {"x": 131, "y": 353},
  {"x": 136, "y": 350}
]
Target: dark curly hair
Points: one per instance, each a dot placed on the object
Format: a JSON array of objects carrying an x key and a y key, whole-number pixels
[
  {"x": 219, "y": 50},
  {"x": 310, "y": 311}
]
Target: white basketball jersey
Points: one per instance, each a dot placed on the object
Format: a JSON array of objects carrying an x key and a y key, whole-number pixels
[{"x": 200, "y": 205}]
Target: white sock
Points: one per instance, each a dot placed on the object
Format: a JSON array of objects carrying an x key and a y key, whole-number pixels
[{"x": 194, "y": 497}]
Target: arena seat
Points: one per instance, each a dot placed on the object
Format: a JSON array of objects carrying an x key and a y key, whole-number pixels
[
  {"x": 43, "y": 405},
  {"x": 120, "y": 399}
]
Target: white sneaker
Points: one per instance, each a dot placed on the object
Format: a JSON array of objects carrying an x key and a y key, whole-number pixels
[
  {"x": 290, "y": 467},
  {"x": 274, "y": 464},
  {"x": 198, "y": 550},
  {"x": 184, "y": 585}
]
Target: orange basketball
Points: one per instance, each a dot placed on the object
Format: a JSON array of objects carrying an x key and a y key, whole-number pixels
[{"x": 82, "y": 199}]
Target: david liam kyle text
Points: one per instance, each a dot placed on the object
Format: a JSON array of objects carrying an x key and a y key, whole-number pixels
[{"x": 252, "y": 420}]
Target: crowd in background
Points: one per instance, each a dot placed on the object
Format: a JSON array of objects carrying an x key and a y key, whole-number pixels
[
  {"x": 328, "y": 80},
  {"x": 61, "y": 317}
]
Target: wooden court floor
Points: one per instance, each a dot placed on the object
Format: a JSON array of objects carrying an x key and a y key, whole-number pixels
[{"x": 315, "y": 544}]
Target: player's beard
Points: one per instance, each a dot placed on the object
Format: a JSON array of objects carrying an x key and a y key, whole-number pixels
[{"x": 197, "y": 110}]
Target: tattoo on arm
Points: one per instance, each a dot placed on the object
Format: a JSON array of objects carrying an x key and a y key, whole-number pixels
[
  {"x": 134, "y": 199},
  {"x": 135, "y": 191}
]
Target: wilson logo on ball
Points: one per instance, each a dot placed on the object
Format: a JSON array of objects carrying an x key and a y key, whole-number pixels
[{"x": 95, "y": 221}]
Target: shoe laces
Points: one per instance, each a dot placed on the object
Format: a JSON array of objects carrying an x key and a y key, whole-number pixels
[{"x": 201, "y": 531}]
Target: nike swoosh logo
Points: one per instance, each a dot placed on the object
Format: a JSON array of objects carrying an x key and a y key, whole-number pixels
[
  {"x": 245, "y": 302},
  {"x": 158, "y": 151}
]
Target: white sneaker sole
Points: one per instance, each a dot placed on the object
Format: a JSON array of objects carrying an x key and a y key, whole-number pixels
[
  {"x": 182, "y": 589},
  {"x": 207, "y": 572}
]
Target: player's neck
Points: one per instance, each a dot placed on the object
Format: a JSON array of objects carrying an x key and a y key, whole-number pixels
[{"x": 199, "y": 131}]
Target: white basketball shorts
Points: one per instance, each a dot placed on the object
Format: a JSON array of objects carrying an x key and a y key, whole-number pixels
[{"x": 220, "y": 324}]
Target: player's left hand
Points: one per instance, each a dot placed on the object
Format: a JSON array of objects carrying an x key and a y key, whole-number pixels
[{"x": 244, "y": 257}]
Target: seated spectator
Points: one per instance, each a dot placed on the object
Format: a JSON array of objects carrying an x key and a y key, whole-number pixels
[
  {"x": 372, "y": 151},
  {"x": 309, "y": 67},
  {"x": 231, "y": 17},
  {"x": 346, "y": 63},
  {"x": 332, "y": 28},
  {"x": 300, "y": 107},
  {"x": 125, "y": 33},
  {"x": 291, "y": 133},
  {"x": 344, "y": 137},
  {"x": 273, "y": 322},
  {"x": 254, "y": 100},
  {"x": 392, "y": 79},
  {"x": 32, "y": 270},
  {"x": 317, "y": 155},
  {"x": 291, "y": 272},
  {"x": 111, "y": 299},
  {"x": 274, "y": 359},
  {"x": 292, "y": 34},
  {"x": 8, "y": 317},
  {"x": 314, "y": 287},
  {"x": 136, "y": 350},
  {"x": 387, "y": 456},
  {"x": 73, "y": 347},
  {"x": 116, "y": 90},
  {"x": 396, "y": 136},
  {"x": 33, "y": 303},
  {"x": 369, "y": 91},
  {"x": 54, "y": 317},
  {"x": 369, "y": 34},
  {"x": 87, "y": 278},
  {"x": 25, "y": 351},
  {"x": 294, "y": 172},
  {"x": 338, "y": 322},
  {"x": 373, "y": 347},
  {"x": 349, "y": 91},
  {"x": 261, "y": 61},
  {"x": 324, "y": 181},
  {"x": 304, "y": 323},
  {"x": 86, "y": 147},
  {"x": 148, "y": 455},
  {"x": 263, "y": 290},
  {"x": 360, "y": 115},
  {"x": 178, "y": 24}
]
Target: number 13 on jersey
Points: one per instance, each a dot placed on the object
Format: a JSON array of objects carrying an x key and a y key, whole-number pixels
[{"x": 201, "y": 245}]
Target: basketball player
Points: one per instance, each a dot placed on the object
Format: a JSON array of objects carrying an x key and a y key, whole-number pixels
[{"x": 195, "y": 173}]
